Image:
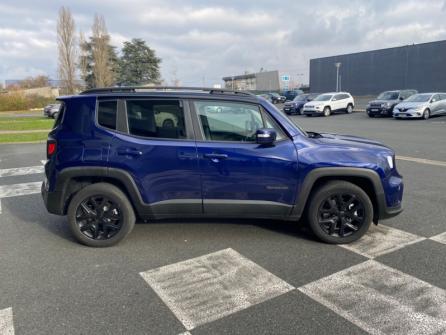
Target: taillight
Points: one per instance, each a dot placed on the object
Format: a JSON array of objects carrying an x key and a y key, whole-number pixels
[{"x": 51, "y": 146}]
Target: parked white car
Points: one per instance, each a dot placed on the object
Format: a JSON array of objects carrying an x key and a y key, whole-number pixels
[
  {"x": 328, "y": 103},
  {"x": 421, "y": 106}
]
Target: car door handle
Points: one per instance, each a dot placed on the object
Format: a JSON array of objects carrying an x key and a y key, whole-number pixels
[
  {"x": 129, "y": 152},
  {"x": 215, "y": 157}
]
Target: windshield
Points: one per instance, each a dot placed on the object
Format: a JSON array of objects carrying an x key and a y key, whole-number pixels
[
  {"x": 388, "y": 96},
  {"x": 323, "y": 97},
  {"x": 296, "y": 125},
  {"x": 301, "y": 97},
  {"x": 419, "y": 98}
]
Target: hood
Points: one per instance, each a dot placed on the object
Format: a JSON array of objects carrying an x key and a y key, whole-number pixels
[
  {"x": 410, "y": 105},
  {"x": 349, "y": 139},
  {"x": 316, "y": 103},
  {"x": 295, "y": 103}
]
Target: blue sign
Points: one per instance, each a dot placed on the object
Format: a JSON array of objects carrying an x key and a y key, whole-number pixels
[{"x": 285, "y": 77}]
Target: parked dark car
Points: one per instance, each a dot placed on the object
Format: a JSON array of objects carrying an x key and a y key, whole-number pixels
[
  {"x": 51, "y": 110},
  {"x": 276, "y": 98},
  {"x": 228, "y": 154},
  {"x": 295, "y": 106},
  {"x": 290, "y": 95},
  {"x": 386, "y": 101}
]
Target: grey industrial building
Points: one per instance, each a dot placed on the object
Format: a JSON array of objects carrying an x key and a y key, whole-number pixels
[{"x": 418, "y": 66}]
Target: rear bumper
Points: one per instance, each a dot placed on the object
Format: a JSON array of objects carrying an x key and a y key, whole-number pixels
[{"x": 52, "y": 200}]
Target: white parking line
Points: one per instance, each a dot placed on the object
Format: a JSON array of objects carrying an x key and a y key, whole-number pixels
[
  {"x": 210, "y": 287},
  {"x": 421, "y": 160},
  {"x": 382, "y": 300},
  {"x": 43, "y": 161},
  {"x": 381, "y": 240},
  {"x": 21, "y": 171},
  {"x": 6, "y": 322},
  {"x": 441, "y": 238},
  {"x": 14, "y": 190}
]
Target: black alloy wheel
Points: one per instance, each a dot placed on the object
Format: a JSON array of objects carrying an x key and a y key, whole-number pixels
[
  {"x": 100, "y": 215},
  {"x": 99, "y": 218},
  {"x": 341, "y": 215},
  {"x": 339, "y": 212}
]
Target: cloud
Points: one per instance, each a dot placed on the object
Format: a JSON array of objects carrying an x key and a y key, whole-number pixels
[{"x": 204, "y": 39}]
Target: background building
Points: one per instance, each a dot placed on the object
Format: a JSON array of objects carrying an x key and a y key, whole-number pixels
[
  {"x": 264, "y": 81},
  {"x": 419, "y": 66}
]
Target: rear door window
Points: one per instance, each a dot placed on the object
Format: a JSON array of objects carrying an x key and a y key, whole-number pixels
[{"x": 156, "y": 118}]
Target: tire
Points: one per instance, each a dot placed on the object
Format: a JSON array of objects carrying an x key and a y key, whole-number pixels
[
  {"x": 426, "y": 114},
  {"x": 82, "y": 203},
  {"x": 349, "y": 109},
  {"x": 371, "y": 115},
  {"x": 322, "y": 212},
  {"x": 55, "y": 115},
  {"x": 327, "y": 111}
]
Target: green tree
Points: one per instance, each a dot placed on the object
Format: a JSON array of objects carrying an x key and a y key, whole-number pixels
[{"x": 138, "y": 64}]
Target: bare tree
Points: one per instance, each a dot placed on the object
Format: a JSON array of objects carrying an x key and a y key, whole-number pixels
[
  {"x": 66, "y": 42},
  {"x": 83, "y": 56},
  {"x": 103, "y": 65}
]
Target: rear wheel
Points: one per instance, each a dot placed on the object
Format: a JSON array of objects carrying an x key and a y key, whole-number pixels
[
  {"x": 340, "y": 212},
  {"x": 327, "y": 111},
  {"x": 100, "y": 215}
]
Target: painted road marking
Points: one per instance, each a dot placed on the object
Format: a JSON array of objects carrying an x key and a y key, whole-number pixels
[
  {"x": 21, "y": 171},
  {"x": 382, "y": 300},
  {"x": 43, "y": 161},
  {"x": 6, "y": 322},
  {"x": 14, "y": 190},
  {"x": 421, "y": 160},
  {"x": 441, "y": 238},
  {"x": 210, "y": 287},
  {"x": 381, "y": 240}
]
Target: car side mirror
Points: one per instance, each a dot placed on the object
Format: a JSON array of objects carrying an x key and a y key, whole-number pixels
[
  {"x": 401, "y": 98},
  {"x": 266, "y": 136}
]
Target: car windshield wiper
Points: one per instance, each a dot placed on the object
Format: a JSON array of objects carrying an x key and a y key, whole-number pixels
[{"x": 313, "y": 134}]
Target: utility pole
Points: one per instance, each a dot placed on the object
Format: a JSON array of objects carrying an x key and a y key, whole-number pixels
[
  {"x": 233, "y": 83},
  {"x": 338, "y": 65}
]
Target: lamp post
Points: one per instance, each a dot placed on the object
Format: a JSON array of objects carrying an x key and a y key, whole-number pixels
[{"x": 338, "y": 65}]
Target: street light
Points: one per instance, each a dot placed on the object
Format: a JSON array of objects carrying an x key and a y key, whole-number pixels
[{"x": 338, "y": 65}]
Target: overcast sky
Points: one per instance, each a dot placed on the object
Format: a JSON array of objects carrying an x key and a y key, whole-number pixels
[{"x": 204, "y": 40}]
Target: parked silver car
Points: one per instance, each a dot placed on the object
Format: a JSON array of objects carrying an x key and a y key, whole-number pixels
[
  {"x": 52, "y": 110},
  {"x": 421, "y": 106}
]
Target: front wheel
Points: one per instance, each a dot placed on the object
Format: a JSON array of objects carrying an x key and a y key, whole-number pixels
[
  {"x": 426, "y": 114},
  {"x": 340, "y": 212},
  {"x": 349, "y": 109},
  {"x": 100, "y": 215},
  {"x": 327, "y": 111}
]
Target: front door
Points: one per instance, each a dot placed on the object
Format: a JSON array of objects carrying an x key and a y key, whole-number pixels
[{"x": 240, "y": 177}]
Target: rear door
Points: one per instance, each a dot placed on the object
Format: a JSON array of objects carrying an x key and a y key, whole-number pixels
[
  {"x": 157, "y": 147},
  {"x": 241, "y": 178}
]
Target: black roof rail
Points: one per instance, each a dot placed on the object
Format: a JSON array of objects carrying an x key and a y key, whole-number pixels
[{"x": 135, "y": 89}]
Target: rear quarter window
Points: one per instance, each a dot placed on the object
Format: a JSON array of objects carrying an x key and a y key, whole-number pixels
[{"x": 107, "y": 111}]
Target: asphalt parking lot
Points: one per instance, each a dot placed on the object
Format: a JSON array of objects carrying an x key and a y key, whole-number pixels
[{"x": 230, "y": 277}]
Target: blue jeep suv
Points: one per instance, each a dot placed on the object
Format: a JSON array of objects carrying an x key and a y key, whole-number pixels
[{"x": 116, "y": 155}]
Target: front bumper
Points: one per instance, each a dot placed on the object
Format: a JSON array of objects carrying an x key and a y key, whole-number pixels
[
  {"x": 409, "y": 114},
  {"x": 291, "y": 109},
  {"x": 379, "y": 111},
  {"x": 312, "y": 112}
]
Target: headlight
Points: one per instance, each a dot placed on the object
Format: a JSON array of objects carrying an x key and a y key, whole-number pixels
[{"x": 390, "y": 161}]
